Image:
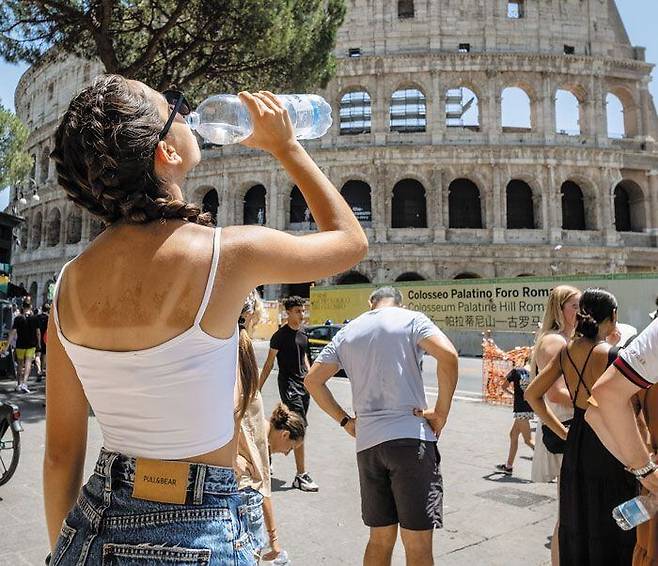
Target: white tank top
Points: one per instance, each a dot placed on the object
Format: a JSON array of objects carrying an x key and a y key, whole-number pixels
[{"x": 171, "y": 401}]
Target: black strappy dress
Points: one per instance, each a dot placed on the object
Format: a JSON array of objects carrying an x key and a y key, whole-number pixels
[{"x": 592, "y": 483}]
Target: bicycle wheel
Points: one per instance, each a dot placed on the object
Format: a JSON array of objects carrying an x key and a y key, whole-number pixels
[{"x": 10, "y": 451}]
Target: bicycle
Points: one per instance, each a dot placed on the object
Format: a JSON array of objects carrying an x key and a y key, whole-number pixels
[{"x": 10, "y": 440}]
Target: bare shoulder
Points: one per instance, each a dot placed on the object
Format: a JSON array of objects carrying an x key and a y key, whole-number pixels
[{"x": 551, "y": 342}]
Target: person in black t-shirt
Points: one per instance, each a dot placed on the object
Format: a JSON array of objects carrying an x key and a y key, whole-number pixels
[
  {"x": 40, "y": 359},
  {"x": 289, "y": 345},
  {"x": 519, "y": 378},
  {"x": 26, "y": 331}
]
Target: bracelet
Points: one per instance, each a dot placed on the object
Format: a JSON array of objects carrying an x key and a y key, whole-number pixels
[
  {"x": 345, "y": 420},
  {"x": 644, "y": 471}
]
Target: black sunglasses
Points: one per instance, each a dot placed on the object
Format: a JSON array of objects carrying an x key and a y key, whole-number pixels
[{"x": 178, "y": 104}]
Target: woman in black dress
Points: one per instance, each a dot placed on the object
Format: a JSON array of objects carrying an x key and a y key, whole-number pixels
[{"x": 593, "y": 481}]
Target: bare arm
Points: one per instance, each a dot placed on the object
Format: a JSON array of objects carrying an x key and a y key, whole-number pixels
[
  {"x": 267, "y": 368},
  {"x": 316, "y": 384},
  {"x": 548, "y": 349},
  {"x": 534, "y": 395},
  {"x": 270, "y": 525},
  {"x": 612, "y": 417},
  {"x": 66, "y": 436},
  {"x": 447, "y": 369},
  {"x": 272, "y": 256}
]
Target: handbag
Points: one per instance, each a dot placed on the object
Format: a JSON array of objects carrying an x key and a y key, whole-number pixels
[{"x": 554, "y": 444}]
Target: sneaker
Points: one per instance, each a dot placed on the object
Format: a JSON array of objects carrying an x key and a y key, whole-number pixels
[
  {"x": 503, "y": 469},
  {"x": 305, "y": 483},
  {"x": 22, "y": 388}
]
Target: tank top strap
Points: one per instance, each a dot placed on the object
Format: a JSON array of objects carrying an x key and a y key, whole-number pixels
[
  {"x": 58, "y": 284},
  {"x": 211, "y": 277}
]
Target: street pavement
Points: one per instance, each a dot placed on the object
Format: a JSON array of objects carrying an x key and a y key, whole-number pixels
[{"x": 489, "y": 519}]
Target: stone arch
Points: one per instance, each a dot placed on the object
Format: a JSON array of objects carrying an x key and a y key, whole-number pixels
[
  {"x": 34, "y": 290},
  {"x": 627, "y": 123},
  {"x": 210, "y": 203},
  {"x": 355, "y": 112},
  {"x": 467, "y": 275},
  {"x": 520, "y": 205},
  {"x": 629, "y": 207},
  {"x": 254, "y": 209},
  {"x": 570, "y": 110},
  {"x": 462, "y": 108},
  {"x": 74, "y": 226},
  {"x": 409, "y": 276},
  {"x": 36, "y": 229},
  {"x": 358, "y": 195},
  {"x": 516, "y": 109},
  {"x": 615, "y": 117},
  {"x": 352, "y": 278},
  {"x": 573, "y": 206},
  {"x": 464, "y": 204},
  {"x": 408, "y": 110},
  {"x": 54, "y": 227},
  {"x": 409, "y": 205},
  {"x": 300, "y": 214},
  {"x": 48, "y": 290},
  {"x": 24, "y": 236},
  {"x": 45, "y": 164}
]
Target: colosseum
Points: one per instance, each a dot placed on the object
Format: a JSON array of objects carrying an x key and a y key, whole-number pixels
[{"x": 488, "y": 138}]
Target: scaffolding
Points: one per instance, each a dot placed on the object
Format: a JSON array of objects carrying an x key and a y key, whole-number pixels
[{"x": 456, "y": 107}]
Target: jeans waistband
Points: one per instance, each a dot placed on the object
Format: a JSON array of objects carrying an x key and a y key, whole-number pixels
[{"x": 202, "y": 478}]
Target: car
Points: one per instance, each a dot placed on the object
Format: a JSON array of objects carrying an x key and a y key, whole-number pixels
[{"x": 319, "y": 336}]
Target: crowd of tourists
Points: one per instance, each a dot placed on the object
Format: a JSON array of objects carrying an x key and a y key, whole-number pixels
[{"x": 151, "y": 327}]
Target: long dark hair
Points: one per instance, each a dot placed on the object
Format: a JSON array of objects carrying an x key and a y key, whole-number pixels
[
  {"x": 104, "y": 155},
  {"x": 596, "y": 306},
  {"x": 246, "y": 356}
]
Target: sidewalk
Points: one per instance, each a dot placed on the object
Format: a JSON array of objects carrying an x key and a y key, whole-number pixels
[{"x": 489, "y": 519}]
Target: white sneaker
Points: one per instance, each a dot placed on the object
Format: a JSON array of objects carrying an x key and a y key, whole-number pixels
[
  {"x": 22, "y": 388},
  {"x": 305, "y": 483}
]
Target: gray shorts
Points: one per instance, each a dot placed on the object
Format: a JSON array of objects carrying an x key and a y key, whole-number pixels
[{"x": 401, "y": 484}]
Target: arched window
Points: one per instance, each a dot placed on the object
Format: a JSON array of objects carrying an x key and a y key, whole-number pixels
[
  {"x": 23, "y": 237},
  {"x": 516, "y": 109},
  {"x": 409, "y": 206},
  {"x": 467, "y": 275},
  {"x": 355, "y": 113},
  {"x": 520, "y": 208},
  {"x": 302, "y": 290},
  {"x": 408, "y": 111},
  {"x": 254, "y": 206},
  {"x": 615, "y": 117},
  {"x": 34, "y": 288},
  {"x": 464, "y": 208},
  {"x": 210, "y": 204},
  {"x": 36, "y": 230},
  {"x": 351, "y": 278},
  {"x": 45, "y": 163},
  {"x": 49, "y": 291},
  {"x": 630, "y": 209},
  {"x": 357, "y": 195},
  {"x": 74, "y": 227},
  {"x": 410, "y": 276},
  {"x": 405, "y": 9},
  {"x": 462, "y": 110},
  {"x": 573, "y": 207},
  {"x": 300, "y": 214},
  {"x": 54, "y": 227},
  {"x": 33, "y": 171},
  {"x": 567, "y": 113},
  {"x": 96, "y": 227}
]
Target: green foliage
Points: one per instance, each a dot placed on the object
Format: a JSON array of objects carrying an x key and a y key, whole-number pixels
[
  {"x": 15, "y": 162},
  {"x": 201, "y": 46}
]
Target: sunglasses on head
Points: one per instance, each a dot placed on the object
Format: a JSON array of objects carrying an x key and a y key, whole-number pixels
[{"x": 178, "y": 104}]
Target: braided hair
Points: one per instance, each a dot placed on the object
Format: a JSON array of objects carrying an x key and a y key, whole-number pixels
[{"x": 105, "y": 156}]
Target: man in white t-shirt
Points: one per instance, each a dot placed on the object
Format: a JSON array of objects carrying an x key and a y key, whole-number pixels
[
  {"x": 611, "y": 413},
  {"x": 396, "y": 436}
]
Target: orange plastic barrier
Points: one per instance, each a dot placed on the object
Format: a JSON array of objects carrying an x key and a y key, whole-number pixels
[{"x": 496, "y": 364}]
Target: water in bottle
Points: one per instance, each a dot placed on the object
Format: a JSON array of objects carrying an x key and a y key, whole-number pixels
[
  {"x": 635, "y": 512},
  {"x": 223, "y": 119}
]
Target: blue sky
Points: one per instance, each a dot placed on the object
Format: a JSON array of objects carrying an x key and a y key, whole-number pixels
[{"x": 640, "y": 24}]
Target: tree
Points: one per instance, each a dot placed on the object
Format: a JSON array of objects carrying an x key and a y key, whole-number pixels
[
  {"x": 15, "y": 162},
  {"x": 201, "y": 46}
]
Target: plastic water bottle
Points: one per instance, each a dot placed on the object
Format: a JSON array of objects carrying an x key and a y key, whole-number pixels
[
  {"x": 281, "y": 560},
  {"x": 635, "y": 512},
  {"x": 222, "y": 119}
]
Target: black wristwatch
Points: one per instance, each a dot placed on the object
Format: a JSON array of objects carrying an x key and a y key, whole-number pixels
[{"x": 345, "y": 420}]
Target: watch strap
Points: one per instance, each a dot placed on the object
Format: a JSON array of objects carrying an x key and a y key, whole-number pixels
[{"x": 344, "y": 420}]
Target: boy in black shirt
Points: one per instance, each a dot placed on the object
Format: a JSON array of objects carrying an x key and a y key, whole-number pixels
[
  {"x": 289, "y": 345},
  {"x": 28, "y": 336}
]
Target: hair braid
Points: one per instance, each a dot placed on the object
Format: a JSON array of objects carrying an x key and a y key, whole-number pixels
[{"x": 104, "y": 156}]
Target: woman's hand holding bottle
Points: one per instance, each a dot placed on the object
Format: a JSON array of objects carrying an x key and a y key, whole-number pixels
[{"x": 273, "y": 129}]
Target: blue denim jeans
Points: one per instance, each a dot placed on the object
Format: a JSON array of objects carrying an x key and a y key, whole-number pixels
[
  {"x": 108, "y": 527},
  {"x": 252, "y": 504}
]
